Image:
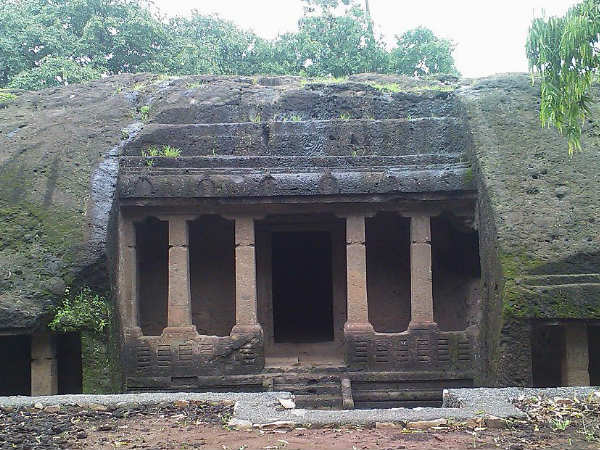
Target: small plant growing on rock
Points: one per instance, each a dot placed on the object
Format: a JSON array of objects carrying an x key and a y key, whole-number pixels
[
  {"x": 560, "y": 424},
  {"x": 345, "y": 116},
  {"x": 386, "y": 87},
  {"x": 164, "y": 151},
  {"x": 324, "y": 80},
  {"x": 170, "y": 152},
  {"x": 85, "y": 310},
  {"x": 145, "y": 113},
  {"x": 196, "y": 85},
  {"x": 256, "y": 118},
  {"x": 6, "y": 96}
]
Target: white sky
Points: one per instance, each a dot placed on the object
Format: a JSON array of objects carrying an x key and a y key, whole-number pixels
[{"x": 490, "y": 35}]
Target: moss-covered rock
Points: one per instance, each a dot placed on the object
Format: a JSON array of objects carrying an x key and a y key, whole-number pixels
[
  {"x": 53, "y": 142},
  {"x": 539, "y": 209}
]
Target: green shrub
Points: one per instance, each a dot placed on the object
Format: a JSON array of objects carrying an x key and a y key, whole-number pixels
[
  {"x": 53, "y": 71},
  {"x": 164, "y": 151},
  {"x": 86, "y": 310},
  {"x": 145, "y": 113}
]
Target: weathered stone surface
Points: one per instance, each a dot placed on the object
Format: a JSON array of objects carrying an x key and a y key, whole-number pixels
[
  {"x": 576, "y": 359},
  {"x": 54, "y": 188},
  {"x": 214, "y": 99},
  {"x": 356, "y": 266},
  {"x": 530, "y": 225},
  {"x": 309, "y": 138},
  {"x": 281, "y": 138},
  {"x": 44, "y": 367},
  {"x": 426, "y": 424}
]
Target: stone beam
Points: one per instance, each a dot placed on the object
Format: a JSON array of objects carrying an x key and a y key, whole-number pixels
[
  {"x": 421, "y": 283},
  {"x": 575, "y": 358},
  {"x": 356, "y": 277},
  {"x": 44, "y": 367}
]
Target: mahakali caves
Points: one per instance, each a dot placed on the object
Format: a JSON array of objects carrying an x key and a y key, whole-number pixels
[{"x": 363, "y": 243}]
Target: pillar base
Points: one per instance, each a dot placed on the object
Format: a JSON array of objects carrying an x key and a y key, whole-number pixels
[
  {"x": 423, "y": 326},
  {"x": 358, "y": 327},
  {"x": 255, "y": 329},
  {"x": 187, "y": 332},
  {"x": 133, "y": 332}
]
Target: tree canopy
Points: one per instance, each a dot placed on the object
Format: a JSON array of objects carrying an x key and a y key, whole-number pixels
[
  {"x": 564, "y": 52},
  {"x": 52, "y": 42}
]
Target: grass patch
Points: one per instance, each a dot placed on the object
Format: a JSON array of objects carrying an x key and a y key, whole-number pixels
[
  {"x": 323, "y": 80},
  {"x": 396, "y": 87},
  {"x": 6, "y": 96},
  {"x": 257, "y": 118},
  {"x": 195, "y": 85},
  {"x": 292, "y": 118},
  {"x": 145, "y": 113},
  {"x": 162, "y": 151},
  {"x": 386, "y": 87}
]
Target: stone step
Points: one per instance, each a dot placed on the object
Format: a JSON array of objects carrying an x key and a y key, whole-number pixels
[
  {"x": 306, "y": 379},
  {"x": 313, "y": 401},
  {"x": 404, "y": 395},
  {"x": 308, "y": 389},
  {"x": 391, "y": 137},
  {"x": 398, "y": 404},
  {"x": 224, "y": 102}
]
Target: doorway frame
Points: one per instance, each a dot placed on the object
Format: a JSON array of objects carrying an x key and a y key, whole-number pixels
[{"x": 336, "y": 228}]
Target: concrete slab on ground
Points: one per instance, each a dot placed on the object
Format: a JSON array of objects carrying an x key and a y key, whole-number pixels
[{"x": 265, "y": 409}]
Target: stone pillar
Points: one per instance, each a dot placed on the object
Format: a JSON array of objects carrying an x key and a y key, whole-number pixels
[
  {"x": 127, "y": 279},
  {"x": 421, "y": 286},
  {"x": 575, "y": 358},
  {"x": 246, "y": 318},
  {"x": 356, "y": 276},
  {"x": 180, "y": 298},
  {"x": 44, "y": 368}
]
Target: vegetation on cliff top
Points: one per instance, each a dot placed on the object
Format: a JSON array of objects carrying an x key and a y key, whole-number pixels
[{"x": 67, "y": 41}]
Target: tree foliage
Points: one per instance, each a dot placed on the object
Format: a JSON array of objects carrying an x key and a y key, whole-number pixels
[
  {"x": 52, "y": 42},
  {"x": 420, "y": 52},
  {"x": 564, "y": 52}
]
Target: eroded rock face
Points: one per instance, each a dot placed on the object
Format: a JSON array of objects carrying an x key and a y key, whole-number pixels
[
  {"x": 275, "y": 136},
  {"x": 538, "y": 219},
  {"x": 55, "y": 195}
]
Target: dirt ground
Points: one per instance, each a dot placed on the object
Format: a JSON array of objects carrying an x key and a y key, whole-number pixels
[{"x": 202, "y": 425}]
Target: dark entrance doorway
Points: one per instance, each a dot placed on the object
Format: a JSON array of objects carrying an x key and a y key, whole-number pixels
[
  {"x": 15, "y": 352},
  {"x": 302, "y": 287}
]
